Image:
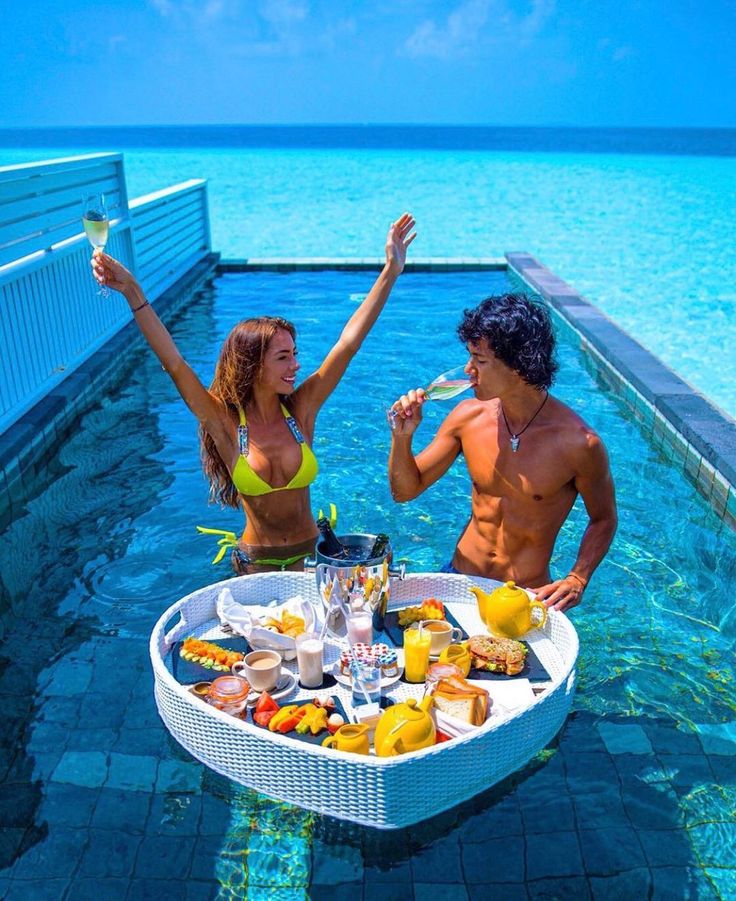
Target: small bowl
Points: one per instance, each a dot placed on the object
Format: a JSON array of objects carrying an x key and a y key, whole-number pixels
[{"x": 200, "y": 689}]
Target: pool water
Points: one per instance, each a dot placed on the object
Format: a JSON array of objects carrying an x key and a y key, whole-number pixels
[{"x": 637, "y": 795}]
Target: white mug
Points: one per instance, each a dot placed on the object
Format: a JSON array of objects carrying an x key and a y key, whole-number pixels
[
  {"x": 260, "y": 668},
  {"x": 442, "y": 634}
]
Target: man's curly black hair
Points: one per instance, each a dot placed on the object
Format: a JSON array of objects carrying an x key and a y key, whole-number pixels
[{"x": 518, "y": 331}]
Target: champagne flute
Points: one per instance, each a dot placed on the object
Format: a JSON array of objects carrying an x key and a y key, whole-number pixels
[
  {"x": 96, "y": 224},
  {"x": 445, "y": 386}
]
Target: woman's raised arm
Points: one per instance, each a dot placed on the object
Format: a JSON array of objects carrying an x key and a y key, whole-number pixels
[
  {"x": 208, "y": 410},
  {"x": 317, "y": 388}
]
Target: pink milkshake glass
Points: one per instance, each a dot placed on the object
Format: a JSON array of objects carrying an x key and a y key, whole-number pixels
[{"x": 360, "y": 627}]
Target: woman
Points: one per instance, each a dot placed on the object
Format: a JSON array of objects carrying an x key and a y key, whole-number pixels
[{"x": 256, "y": 425}]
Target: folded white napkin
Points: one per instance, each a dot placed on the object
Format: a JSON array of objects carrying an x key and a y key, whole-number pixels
[
  {"x": 248, "y": 621},
  {"x": 450, "y": 725},
  {"x": 513, "y": 694}
]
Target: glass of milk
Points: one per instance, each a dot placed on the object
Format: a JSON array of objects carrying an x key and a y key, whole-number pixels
[
  {"x": 309, "y": 659},
  {"x": 360, "y": 626}
]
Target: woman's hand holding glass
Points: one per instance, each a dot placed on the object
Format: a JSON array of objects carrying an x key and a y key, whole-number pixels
[{"x": 112, "y": 274}]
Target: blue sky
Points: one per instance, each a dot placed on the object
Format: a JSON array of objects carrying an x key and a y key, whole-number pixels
[{"x": 499, "y": 62}]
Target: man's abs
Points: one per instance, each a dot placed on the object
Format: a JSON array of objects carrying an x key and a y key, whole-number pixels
[{"x": 508, "y": 544}]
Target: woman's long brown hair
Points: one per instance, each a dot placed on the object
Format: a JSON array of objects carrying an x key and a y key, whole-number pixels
[{"x": 237, "y": 369}]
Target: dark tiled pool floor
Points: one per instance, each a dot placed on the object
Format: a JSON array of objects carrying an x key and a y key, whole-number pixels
[{"x": 97, "y": 801}]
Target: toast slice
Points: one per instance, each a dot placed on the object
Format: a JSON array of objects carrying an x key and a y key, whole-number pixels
[
  {"x": 458, "y": 707},
  {"x": 459, "y": 699}
]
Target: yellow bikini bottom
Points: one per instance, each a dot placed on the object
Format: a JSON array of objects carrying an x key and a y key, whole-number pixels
[{"x": 230, "y": 541}]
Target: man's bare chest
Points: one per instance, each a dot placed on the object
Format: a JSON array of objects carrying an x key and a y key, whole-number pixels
[{"x": 535, "y": 471}]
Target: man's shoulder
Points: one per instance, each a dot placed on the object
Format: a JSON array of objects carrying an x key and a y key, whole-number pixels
[
  {"x": 575, "y": 432},
  {"x": 472, "y": 405},
  {"x": 473, "y": 413}
]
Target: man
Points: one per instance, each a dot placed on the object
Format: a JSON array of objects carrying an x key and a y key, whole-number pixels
[{"x": 528, "y": 455}]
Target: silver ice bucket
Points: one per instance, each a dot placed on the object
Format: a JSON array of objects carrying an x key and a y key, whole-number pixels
[{"x": 355, "y": 580}]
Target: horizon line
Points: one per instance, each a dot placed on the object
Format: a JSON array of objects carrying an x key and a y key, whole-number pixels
[{"x": 455, "y": 125}]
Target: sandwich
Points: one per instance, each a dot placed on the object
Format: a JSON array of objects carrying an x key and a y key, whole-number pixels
[
  {"x": 497, "y": 655},
  {"x": 459, "y": 699}
]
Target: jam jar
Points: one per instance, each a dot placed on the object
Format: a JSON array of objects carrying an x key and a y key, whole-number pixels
[
  {"x": 229, "y": 694},
  {"x": 439, "y": 671}
]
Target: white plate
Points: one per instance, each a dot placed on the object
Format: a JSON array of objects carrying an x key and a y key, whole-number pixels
[
  {"x": 346, "y": 680},
  {"x": 285, "y": 685}
]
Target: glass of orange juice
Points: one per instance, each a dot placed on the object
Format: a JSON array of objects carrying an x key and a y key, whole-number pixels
[{"x": 416, "y": 653}]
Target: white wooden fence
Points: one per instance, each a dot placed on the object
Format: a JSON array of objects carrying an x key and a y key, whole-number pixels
[
  {"x": 171, "y": 231},
  {"x": 51, "y": 317}
]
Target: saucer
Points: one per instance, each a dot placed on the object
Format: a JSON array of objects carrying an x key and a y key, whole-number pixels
[{"x": 285, "y": 685}]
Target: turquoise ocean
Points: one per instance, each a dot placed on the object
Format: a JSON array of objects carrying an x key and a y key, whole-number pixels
[{"x": 640, "y": 221}]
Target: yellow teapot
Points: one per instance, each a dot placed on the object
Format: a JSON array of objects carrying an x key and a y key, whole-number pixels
[
  {"x": 405, "y": 727},
  {"x": 507, "y": 611}
]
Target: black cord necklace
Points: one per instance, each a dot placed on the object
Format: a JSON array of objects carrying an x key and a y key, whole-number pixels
[{"x": 516, "y": 438}]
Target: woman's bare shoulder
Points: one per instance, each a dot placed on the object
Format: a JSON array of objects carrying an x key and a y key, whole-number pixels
[{"x": 223, "y": 425}]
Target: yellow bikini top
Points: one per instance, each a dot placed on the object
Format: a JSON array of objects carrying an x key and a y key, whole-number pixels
[{"x": 250, "y": 484}]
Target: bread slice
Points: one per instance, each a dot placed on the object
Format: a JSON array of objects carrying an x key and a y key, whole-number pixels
[
  {"x": 457, "y": 685},
  {"x": 461, "y": 708},
  {"x": 481, "y": 708},
  {"x": 459, "y": 699}
]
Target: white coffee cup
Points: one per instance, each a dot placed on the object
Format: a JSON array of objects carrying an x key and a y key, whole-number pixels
[
  {"x": 260, "y": 668},
  {"x": 442, "y": 634}
]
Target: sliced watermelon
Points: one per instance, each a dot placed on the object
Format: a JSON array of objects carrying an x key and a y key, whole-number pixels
[
  {"x": 266, "y": 703},
  {"x": 264, "y": 717}
]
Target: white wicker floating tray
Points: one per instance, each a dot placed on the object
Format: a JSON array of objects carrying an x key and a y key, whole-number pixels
[{"x": 383, "y": 792}]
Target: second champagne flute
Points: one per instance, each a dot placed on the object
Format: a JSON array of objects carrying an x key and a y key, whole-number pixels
[
  {"x": 445, "y": 386},
  {"x": 96, "y": 224}
]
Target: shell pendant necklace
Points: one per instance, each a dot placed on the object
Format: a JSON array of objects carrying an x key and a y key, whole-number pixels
[{"x": 515, "y": 438}]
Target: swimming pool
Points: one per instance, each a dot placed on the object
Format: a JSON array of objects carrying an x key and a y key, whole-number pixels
[{"x": 638, "y": 792}]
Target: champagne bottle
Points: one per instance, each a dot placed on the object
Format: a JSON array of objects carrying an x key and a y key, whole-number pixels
[
  {"x": 380, "y": 546},
  {"x": 331, "y": 545}
]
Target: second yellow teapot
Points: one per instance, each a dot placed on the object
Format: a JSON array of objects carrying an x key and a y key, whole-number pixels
[
  {"x": 507, "y": 611},
  {"x": 405, "y": 727}
]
